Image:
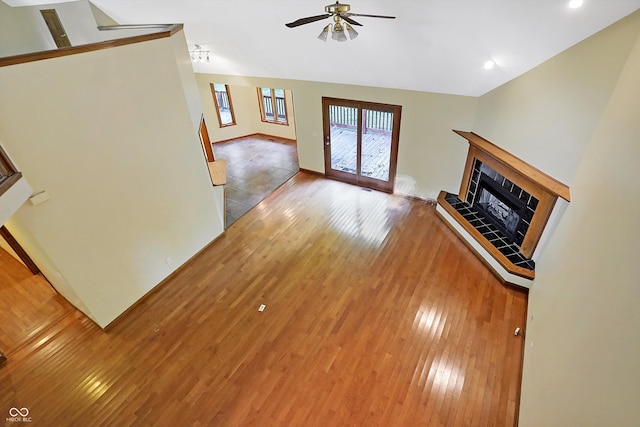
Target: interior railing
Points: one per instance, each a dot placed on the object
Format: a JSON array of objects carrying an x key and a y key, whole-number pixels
[{"x": 164, "y": 30}]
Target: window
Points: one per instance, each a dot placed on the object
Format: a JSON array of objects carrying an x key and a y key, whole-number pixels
[
  {"x": 224, "y": 107},
  {"x": 272, "y": 100},
  {"x": 8, "y": 173}
]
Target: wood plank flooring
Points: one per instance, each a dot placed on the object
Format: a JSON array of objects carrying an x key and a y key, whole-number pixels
[
  {"x": 28, "y": 304},
  {"x": 376, "y": 315}
]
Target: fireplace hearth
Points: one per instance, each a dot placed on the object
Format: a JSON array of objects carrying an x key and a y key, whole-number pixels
[
  {"x": 502, "y": 209},
  {"x": 490, "y": 232}
]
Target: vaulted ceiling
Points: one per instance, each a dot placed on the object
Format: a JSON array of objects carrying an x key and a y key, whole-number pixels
[{"x": 432, "y": 45}]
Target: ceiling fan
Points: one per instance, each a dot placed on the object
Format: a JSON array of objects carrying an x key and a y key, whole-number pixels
[{"x": 340, "y": 12}]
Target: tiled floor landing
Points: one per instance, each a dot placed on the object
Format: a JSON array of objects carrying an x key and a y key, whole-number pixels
[{"x": 256, "y": 166}]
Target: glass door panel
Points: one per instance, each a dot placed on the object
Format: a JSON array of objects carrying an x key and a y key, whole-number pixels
[
  {"x": 343, "y": 130},
  {"x": 375, "y": 156}
]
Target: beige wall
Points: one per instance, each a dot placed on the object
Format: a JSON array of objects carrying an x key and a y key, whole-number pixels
[
  {"x": 185, "y": 71},
  {"x": 430, "y": 158},
  {"x": 246, "y": 111},
  {"x": 110, "y": 136},
  {"x": 576, "y": 117},
  {"x": 548, "y": 115}
]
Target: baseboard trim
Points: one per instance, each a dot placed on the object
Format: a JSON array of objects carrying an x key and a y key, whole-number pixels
[
  {"x": 428, "y": 201},
  {"x": 309, "y": 171},
  {"x": 256, "y": 135}
]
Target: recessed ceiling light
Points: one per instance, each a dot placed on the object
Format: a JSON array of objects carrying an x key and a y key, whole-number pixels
[
  {"x": 574, "y": 4},
  {"x": 489, "y": 65}
]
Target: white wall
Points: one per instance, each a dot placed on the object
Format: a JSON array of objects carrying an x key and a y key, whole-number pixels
[
  {"x": 100, "y": 16},
  {"x": 430, "y": 157},
  {"x": 18, "y": 33},
  {"x": 113, "y": 143},
  {"x": 576, "y": 117}
]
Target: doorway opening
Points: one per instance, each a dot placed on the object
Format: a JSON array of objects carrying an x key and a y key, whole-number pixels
[
  {"x": 259, "y": 153},
  {"x": 361, "y": 142},
  {"x": 55, "y": 28},
  {"x": 29, "y": 305},
  {"x": 256, "y": 166}
]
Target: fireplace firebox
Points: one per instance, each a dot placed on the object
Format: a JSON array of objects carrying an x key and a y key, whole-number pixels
[
  {"x": 503, "y": 211},
  {"x": 502, "y": 202}
]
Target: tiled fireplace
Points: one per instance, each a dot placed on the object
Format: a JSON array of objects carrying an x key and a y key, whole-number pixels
[{"x": 502, "y": 209}]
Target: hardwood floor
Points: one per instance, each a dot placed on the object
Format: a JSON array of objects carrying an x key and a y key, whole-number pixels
[
  {"x": 256, "y": 166},
  {"x": 376, "y": 315},
  {"x": 28, "y": 304}
]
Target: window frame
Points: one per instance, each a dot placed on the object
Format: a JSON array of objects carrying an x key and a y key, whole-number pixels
[
  {"x": 215, "y": 102},
  {"x": 9, "y": 174},
  {"x": 274, "y": 106}
]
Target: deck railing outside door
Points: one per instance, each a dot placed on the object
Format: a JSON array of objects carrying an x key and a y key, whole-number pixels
[
  {"x": 223, "y": 99},
  {"x": 268, "y": 107},
  {"x": 372, "y": 120}
]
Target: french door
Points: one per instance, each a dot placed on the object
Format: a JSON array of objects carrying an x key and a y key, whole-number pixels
[{"x": 361, "y": 142}]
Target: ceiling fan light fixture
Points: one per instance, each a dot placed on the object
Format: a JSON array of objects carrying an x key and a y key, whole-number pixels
[
  {"x": 325, "y": 32},
  {"x": 338, "y": 32},
  {"x": 339, "y": 12},
  {"x": 339, "y": 36},
  {"x": 352, "y": 32}
]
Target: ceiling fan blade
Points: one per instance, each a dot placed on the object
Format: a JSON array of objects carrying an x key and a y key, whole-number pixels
[
  {"x": 307, "y": 20},
  {"x": 372, "y": 16},
  {"x": 350, "y": 21}
]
